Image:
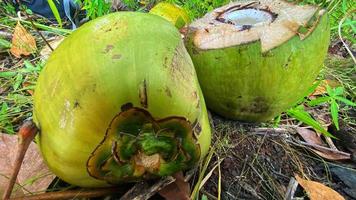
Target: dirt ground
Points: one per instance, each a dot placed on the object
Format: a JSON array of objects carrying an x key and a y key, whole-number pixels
[{"x": 260, "y": 162}]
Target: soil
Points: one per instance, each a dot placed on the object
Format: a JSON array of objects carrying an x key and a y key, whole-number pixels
[{"x": 260, "y": 164}]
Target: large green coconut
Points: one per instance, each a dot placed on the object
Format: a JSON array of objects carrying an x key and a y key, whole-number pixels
[
  {"x": 119, "y": 101},
  {"x": 255, "y": 59}
]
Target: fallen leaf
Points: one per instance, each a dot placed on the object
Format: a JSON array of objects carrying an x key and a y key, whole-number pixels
[
  {"x": 318, "y": 191},
  {"x": 2, "y": 89},
  {"x": 321, "y": 89},
  {"x": 34, "y": 175},
  {"x": 23, "y": 43},
  {"x": 26, "y": 84},
  {"x": 46, "y": 51},
  {"x": 313, "y": 138},
  {"x": 178, "y": 190}
]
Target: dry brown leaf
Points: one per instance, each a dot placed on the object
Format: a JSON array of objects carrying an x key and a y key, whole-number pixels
[
  {"x": 26, "y": 84},
  {"x": 2, "y": 89},
  {"x": 34, "y": 175},
  {"x": 310, "y": 136},
  {"x": 321, "y": 89},
  {"x": 23, "y": 43},
  {"x": 318, "y": 191},
  {"x": 46, "y": 51},
  {"x": 313, "y": 138},
  {"x": 178, "y": 190}
]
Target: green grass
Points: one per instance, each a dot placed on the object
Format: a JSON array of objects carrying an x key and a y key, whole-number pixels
[{"x": 16, "y": 100}]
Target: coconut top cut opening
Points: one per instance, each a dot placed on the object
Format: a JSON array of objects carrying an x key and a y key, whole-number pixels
[
  {"x": 273, "y": 22},
  {"x": 247, "y": 18}
]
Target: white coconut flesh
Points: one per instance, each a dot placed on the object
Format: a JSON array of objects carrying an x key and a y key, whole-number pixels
[
  {"x": 273, "y": 22},
  {"x": 247, "y": 18}
]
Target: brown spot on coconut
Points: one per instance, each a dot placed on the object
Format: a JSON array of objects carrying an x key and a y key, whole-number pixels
[
  {"x": 143, "y": 94},
  {"x": 268, "y": 49}
]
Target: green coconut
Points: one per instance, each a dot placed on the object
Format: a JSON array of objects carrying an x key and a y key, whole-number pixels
[
  {"x": 171, "y": 12},
  {"x": 256, "y": 59},
  {"x": 118, "y": 101}
]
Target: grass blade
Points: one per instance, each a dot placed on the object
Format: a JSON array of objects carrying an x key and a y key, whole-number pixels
[
  {"x": 318, "y": 101},
  {"x": 304, "y": 117},
  {"x": 18, "y": 81},
  {"x": 338, "y": 91},
  {"x": 7, "y": 74},
  {"x": 202, "y": 173},
  {"x": 334, "y": 109},
  {"x": 60, "y": 31},
  {"x": 346, "y": 101},
  {"x": 4, "y": 44},
  {"x": 55, "y": 12}
]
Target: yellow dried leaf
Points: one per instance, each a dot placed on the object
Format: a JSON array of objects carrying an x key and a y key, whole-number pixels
[
  {"x": 23, "y": 43},
  {"x": 318, "y": 191},
  {"x": 321, "y": 89}
]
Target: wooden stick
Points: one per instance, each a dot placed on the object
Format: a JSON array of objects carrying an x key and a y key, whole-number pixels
[
  {"x": 71, "y": 194},
  {"x": 26, "y": 134},
  {"x": 142, "y": 191},
  {"x": 322, "y": 148},
  {"x": 292, "y": 187}
]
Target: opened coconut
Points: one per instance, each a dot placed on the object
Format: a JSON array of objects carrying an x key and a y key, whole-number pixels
[
  {"x": 118, "y": 101},
  {"x": 255, "y": 59}
]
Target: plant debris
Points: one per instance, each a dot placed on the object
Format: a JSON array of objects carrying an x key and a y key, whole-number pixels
[
  {"x": 320, "y": 147},
  {"x": 318, "y": 191},
  {"x": 23, "y": 43}
]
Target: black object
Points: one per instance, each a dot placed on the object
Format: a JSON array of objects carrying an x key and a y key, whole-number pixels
[
  {"x": 41, "y": 7},
  {"x": 348, "y": 177},
  {"x": 67, "y": 9}
]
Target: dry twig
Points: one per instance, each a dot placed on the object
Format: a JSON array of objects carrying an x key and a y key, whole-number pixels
[
  {"x": 70, "y": 194},
  {"x": 26, "y": 134}
]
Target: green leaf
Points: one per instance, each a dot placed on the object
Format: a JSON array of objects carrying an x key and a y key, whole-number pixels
[
  {"x": 4, "y": 44},
  {"x": 319, "y": 101},
  {"x": 5, "y": 122},
  {"x": 344, "y": 6},
  {"x": 338, "y": 91},
  {"x": 55, "y": 12},
  {"x": 334, "y": 92},
  {"x": 18, "y": 81},
  {"x": 28, "y": 64},
  {"x": 204, "y": 197},
  {"x": 276, "y": 121},
  {"x": 29, "y": 67},
  {"x": 309, "y": 91},
  {"x": 334, "y": 109},
  {"x": 346, "y": 101},
  {"x": 7, "y": 74},
  {"x": 4, "y": 108},
  {"x": 29, "y": 11},
  {"x": 180, "y": 22},
  {"x": 60, "y": 31},
  {"x": 300, "y": 114},
  {"x": 330, "y": 91}
]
